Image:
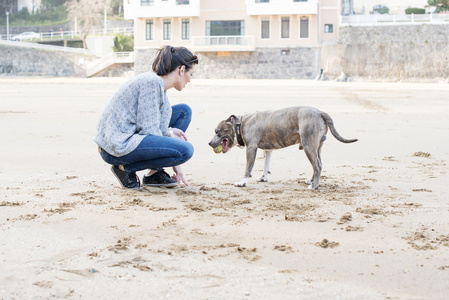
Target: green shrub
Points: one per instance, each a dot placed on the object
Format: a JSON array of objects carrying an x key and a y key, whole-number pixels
[
  {"x": 123, "y": 42},
  {"x": 383, "y": 10},
  {"x": 416, "y": 11}
]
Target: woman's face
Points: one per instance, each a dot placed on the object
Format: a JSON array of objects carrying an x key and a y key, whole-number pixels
[{"x": 184, "y": 77}]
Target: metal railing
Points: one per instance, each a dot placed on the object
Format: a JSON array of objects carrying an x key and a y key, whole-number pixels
[
  {"x": 45, "y": 47},
  {"x": 387, "y": 20},
  {"x": 58, "y": 35},
  {"x": 224, "y": 43}
]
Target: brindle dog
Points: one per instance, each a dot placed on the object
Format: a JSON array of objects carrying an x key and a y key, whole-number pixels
[{"x": 270, "y": 130}]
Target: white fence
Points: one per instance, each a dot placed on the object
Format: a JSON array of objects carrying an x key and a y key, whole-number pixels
[
  {"x": 45, "y": 47},
  {"x": 52, "y": 35},
  {"x": 223, "y": 43},
  {"x": 388, "y": 20}
]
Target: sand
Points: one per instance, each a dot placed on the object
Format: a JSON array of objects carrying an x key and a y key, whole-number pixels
[{"x": 377, "y": 228}]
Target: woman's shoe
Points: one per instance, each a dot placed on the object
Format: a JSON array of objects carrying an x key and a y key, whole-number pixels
[
  {"x": 160, "y": 179},
  {"x": 128, "y": 180}
]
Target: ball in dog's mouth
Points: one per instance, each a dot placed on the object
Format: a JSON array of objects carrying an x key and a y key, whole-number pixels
[
  {"x": 223, "y": 147},
  {"x": 218, "y": 149}
]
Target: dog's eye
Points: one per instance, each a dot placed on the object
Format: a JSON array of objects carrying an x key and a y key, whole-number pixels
[{"x": 217, "y": 131}]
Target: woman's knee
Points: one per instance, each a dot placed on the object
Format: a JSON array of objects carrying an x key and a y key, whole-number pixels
[
  {"x": 188, "y": 150},
  {"x": 184, "y": 109}
]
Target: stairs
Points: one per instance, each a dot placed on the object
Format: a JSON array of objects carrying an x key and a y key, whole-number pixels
[{"x": 109, "y": 60}]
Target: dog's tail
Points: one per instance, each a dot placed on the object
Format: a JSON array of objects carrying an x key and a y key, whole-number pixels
[{"x": 331, "y": 126}]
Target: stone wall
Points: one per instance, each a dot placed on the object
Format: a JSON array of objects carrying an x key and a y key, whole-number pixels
[
  {"x": 117, "y": 70},
  {"x": 264, "y": 63},
  {"x": 389, "y": 52},
  {"x": 381, "y": 52},
  {"x": 19, "y": 61}
]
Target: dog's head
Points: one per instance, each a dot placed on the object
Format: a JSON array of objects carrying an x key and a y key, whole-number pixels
[{"x": 225, "y": 134}]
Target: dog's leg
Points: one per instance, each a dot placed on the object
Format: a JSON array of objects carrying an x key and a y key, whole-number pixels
[
  {"x": 320, "y": 164},
  {"x": 312, "y": 155},
  {"x": 266, "y": 167},
  {"x": 250, "y": 159}
]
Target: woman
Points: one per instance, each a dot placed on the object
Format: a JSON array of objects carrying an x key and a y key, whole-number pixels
[{"x": 140, "y": 130}]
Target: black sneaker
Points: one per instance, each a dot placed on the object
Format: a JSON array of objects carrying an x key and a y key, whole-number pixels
[
  {"x": 128, "y": 180},
  {"x": 160, "y": 178}
]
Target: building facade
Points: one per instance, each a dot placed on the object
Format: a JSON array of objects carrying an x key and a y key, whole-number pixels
[{"x": 237, "y": 38}]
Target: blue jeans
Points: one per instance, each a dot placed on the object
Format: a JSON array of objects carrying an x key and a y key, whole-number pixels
[{"x": 157, "y": 152}]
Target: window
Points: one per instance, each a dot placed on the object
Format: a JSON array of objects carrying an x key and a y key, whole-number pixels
[
  {"x": 328, "y": 28},
  {"x": 167, "y": 29},
  {"x": 185, "y": 29},
  {"x": 265, "y": 29},
  {"x": 285, "y": 27},
  {"x": 146, "y": 2},
  {"x": 304, "y": 28},
  {"x": 182, "y": 2},
  {"x": 262, "y": 1},
  {"x": 149, "y": 30},
  {"x": 217, "y": 28}
]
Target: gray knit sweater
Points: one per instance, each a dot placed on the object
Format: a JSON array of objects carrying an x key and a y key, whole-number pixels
[{"x": 138, "y": 108}]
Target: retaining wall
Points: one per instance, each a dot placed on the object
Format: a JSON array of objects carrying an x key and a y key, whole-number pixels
[
  {"x": 389, "y": 52},
  {"x": 264, "y": 63},
  {"x": 19, "y": 61},
  {"x": 381, "y": 52}
]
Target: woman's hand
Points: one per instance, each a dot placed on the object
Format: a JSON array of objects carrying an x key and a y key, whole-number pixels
[
  {"x": 179, "y": 176},
  {"x": 178, "y": 133}
]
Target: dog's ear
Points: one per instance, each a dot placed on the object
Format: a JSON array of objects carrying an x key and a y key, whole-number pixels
[{"x": 233, "y": 119}]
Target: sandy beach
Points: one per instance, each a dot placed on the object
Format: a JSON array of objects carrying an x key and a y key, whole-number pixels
[{"x": 377, "y": 228}]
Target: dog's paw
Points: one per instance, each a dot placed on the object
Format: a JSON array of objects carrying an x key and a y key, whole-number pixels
[
  {"x": 309, "y": 182},
  {"x": 262, "y": 179},
  {"x": 241, "y": 183},
  {"x": 310, "y": 187}
]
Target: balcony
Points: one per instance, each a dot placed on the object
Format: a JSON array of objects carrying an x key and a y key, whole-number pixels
[
  {"x": 162, "y": 9},
  {"x": 281, "y": 7},
  {"x": 223, "y": 43}
]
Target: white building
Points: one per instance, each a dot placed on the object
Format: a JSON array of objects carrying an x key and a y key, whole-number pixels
[{"x": 270, "y": 38}]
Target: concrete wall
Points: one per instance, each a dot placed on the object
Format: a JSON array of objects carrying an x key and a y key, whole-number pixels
[
  {"x": 389, "y": 52},
  {"x": 264, "y": 63}
]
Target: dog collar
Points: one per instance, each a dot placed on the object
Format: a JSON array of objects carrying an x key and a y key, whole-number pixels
[{"x": 238, "y": 133}]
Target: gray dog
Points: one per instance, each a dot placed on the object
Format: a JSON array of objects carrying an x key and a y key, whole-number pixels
[{"x": 270, "y": 130}]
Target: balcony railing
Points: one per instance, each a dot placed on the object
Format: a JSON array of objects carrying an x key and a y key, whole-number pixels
[
  {"x": 223, "y": 43},
  {"x": 386, "y": 20},
  {"x": 281, "y": 7},
  {"x": 162, "y": 9}
]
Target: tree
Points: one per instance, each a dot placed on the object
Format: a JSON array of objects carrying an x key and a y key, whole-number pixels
[
  {"x": 88, "y": 14},
  {"x": 7, "y": 6},
  {"x": 117, "y": 7},
  {"x": 441, "y": 5},
  {"x": 49, "y": 4}
]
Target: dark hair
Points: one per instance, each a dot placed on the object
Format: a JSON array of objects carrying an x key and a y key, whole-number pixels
[{"x": 169, "y": 58}]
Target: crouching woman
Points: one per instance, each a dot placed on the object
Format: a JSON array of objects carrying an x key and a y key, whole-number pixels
[{"x": 139, "y": 129}]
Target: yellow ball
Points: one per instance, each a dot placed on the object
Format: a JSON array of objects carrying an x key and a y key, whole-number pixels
[{"x": 218, "y": 149}]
